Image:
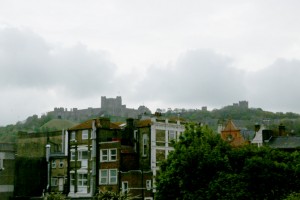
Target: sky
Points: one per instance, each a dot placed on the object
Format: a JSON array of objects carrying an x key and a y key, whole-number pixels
[{"x": 158, "y": 53}]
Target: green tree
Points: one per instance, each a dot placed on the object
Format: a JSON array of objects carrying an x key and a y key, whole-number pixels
[
  {"x": 203, "y": 166},
  {"x": 109, "y": 195}
]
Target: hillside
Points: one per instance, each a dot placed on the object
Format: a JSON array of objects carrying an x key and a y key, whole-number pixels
[
  {"x": 243, "y": 117},
  {"x": 58, "y": 124}
]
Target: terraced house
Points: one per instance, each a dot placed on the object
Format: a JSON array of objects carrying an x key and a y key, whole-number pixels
[{"x": 118, "y": 157}]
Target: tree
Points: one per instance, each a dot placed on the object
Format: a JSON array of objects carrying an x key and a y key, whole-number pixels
[
  {"x": 109, "y": 195},
  {"x": 203, "y": 166}
]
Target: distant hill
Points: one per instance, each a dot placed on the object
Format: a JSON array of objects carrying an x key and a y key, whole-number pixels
[{"x": 58, "y": 124}]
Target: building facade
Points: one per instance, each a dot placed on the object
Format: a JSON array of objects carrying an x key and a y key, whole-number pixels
[
  {"x": 35, "y": 174},
  {"x": 7, "y": 170},
  {"x": 120, "y": 158}
]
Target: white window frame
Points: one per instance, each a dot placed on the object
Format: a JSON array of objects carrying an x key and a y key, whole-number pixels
[
  {"x": 104, "y": 156},
  {"x": 148, "y": 198},
  {"x": 84, "y": 161},
  {"x": 54, "y": 181},
  {"x": 72, "y": 156},
  {"x": 103, "y": 177},
  {"x": 148, "y": 184},
  {"x": 125, "y": 189},
  {"x": 108, "y": 177},
  {"x": 85, "y": 134},
  {"x": 81, "y": 179},
  {"x": 53, "y": 164},
  {"x": 72, "y": 179},
  {"x": 108, "y": 156},
  {"x": 113, "y": 156},
  {"x": 115, "y": 177}
]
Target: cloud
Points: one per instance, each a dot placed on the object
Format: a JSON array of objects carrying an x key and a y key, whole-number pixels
[
  {"x": 199, "y": 77},
  {"x": 27, "y": 61},
  {"x": 276, "y": 87}
]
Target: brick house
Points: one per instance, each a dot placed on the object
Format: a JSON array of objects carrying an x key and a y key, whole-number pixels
[
  {"x": 118, "y": 157},
  {"x": 232, "y": 135},
  {"x": 84, "y": 152}
]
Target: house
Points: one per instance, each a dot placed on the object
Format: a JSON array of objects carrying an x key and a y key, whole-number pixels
[
  {"x": 35, "y": 171},
  {"x": 232, "y": 135},
  {"x": 90, "y": 144},
  {"x": 120, "y": 157},
  {"x": 7, "y": 170},
  {"x": 280, "y": 140}
]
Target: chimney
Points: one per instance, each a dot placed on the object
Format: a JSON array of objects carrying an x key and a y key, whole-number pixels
[
  {"x": 266, "y": 135},
  {"x": 256, "y": 127},
  {"x": 281, "y": 129}
]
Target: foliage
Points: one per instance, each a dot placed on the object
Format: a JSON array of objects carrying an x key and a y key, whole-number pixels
[
  {"x": 109, "y": 195},
  {"x": 293, "y": 196},
  {"x": 55, "y": 196},
  {"x": 205, "y": 167}
]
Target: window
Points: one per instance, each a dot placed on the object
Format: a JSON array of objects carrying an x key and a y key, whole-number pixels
[
  {"x": 83, "y": 156},
  {"x": 148, "y": 184},
  {"x": 72, "y": 155},
  {"x": 1, "y": 164},
  {"x": 82, "y": 179},
  {"x": 103, "y": 176},
  {"x": 107, "y": 155},
  {"x": 53, "y": 164},
  {"x": 135, "y": 138},
  {"x": 54, "y": 181},
  {"x": 85, "y": 134},
  {"x": 113, "y": 154},
  {"x": 73, "y": 136},
  {"x": 72, "y": 178},
  {"x": 145, "y": 145},
  {"x": 104, "y": 155},
  {"x": 172, "y": 136},
  {"x": 148, "y": 198},
  {"x": 124, "y": 187},
  {"x": 108, "y": 176},
  {"x": 61, "y": 163},
  {"x": 112, "y": 176}
]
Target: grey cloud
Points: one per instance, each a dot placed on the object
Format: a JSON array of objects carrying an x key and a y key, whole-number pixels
[
  {"x": 199, "y": 77},
  {"x": 277, "y": 86},
  {"x": 27, "y": 61}
]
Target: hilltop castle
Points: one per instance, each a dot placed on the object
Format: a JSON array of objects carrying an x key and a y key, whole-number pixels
[{"x": 109, "y": 107}]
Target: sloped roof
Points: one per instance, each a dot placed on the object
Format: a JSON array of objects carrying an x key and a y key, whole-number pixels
[
  {"x": 230, "y": 126},
  {"x": 285, "y": 142},
  {"x": 85, "y": 125},
  {"x": 88, "y": 125},
  {"x": 144, "y": 123},
  {"x": 258, "y": 136}
]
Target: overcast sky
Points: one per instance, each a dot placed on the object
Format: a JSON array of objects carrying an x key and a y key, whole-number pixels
[{"x": 158, "y": 53}]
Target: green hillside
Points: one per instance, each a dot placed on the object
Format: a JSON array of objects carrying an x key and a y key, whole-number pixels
[{"x": 58, "y": 124}]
